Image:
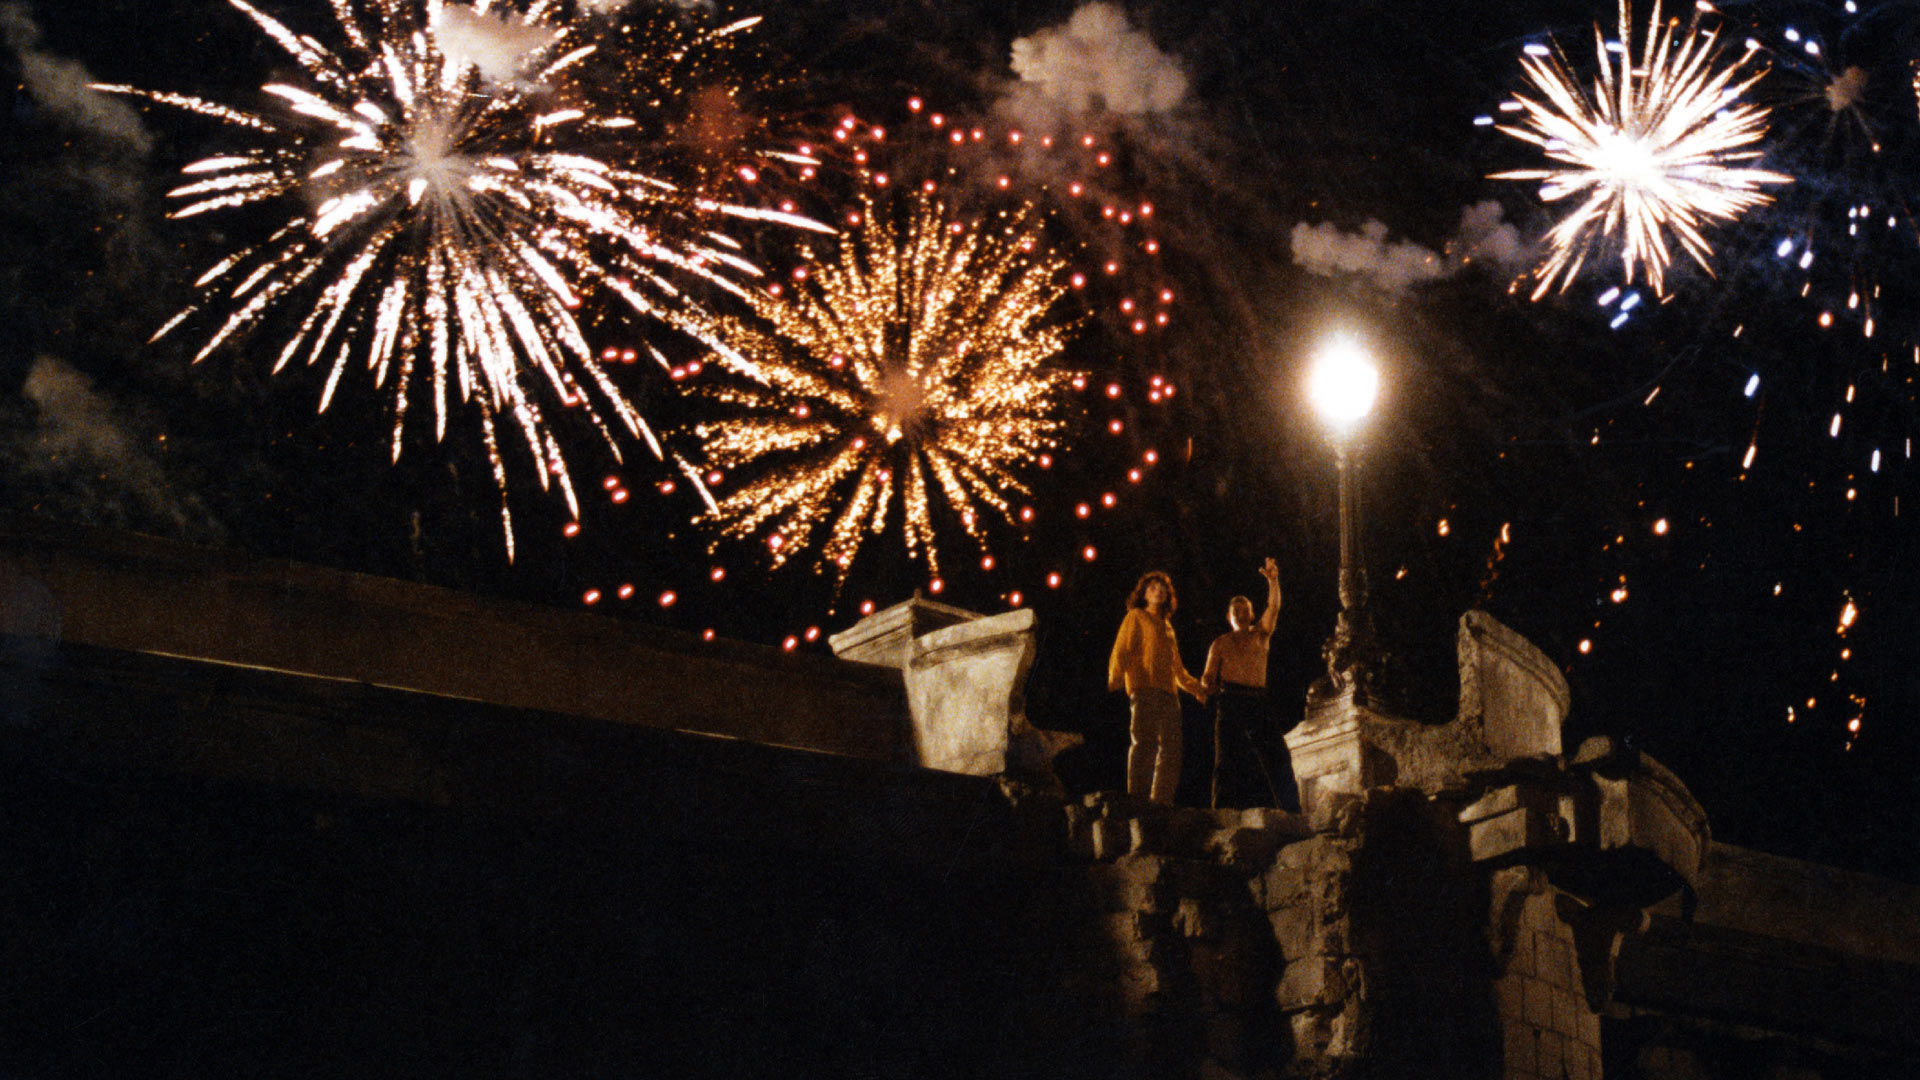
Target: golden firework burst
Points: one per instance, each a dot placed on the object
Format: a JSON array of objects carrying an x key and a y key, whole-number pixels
[{"x": 916, "y": 368}]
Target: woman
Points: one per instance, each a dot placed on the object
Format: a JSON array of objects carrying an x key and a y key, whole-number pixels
[{"x": 1146, "y": 664}]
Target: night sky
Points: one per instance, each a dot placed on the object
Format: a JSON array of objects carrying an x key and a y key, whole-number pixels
[{"x": 1582, "y": 476}]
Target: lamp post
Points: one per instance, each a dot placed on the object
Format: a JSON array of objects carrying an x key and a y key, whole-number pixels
[{"x": 1342, "y": 387}]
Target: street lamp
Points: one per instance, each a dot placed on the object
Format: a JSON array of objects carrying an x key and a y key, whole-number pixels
[{"x": 1342, "y": 387}]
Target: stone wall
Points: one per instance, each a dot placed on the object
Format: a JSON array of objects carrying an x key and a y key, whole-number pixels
[
  {"x": 1547, "y": 1029},
  {"x": 105, "y": 589}
]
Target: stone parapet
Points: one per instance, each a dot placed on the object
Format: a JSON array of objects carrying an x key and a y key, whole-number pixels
[
  {"x": 966, "y": 677},
  {"x": 63, "y": 583},
  {"x": 886, "y": 637}
]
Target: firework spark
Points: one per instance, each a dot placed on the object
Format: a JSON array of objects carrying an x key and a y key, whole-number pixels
[
  {"x": 920, "y": 359},
  {"x": 1654, "y": 148},
  {"x": 452, "y": 180}
]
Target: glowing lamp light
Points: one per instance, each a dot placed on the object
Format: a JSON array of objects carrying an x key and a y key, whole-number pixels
[{"x": 1343, "y": 383}]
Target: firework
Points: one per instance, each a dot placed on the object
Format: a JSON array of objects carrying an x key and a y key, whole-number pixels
[
  {"x": 452, "y": 180},
  {"x": 1656, "y": 147},
  {"x": 919, "y": 361}
]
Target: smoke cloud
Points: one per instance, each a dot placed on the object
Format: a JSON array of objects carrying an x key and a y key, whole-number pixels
[
  {"x": 1095, "y": 60},
  {"x": 80, "y": 451},
  {"x": 499, "y": 45},
  {"x": 1484, "y": 237},
  {"x": 62, "y": 86}
]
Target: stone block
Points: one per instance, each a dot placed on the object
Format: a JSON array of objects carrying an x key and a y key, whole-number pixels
[
  {"x": 1243, "y": 847},
  {"x": 1522, "y": 963},
  {"x": 1079, "y": 826},
  {"x": 1518, "y": 1045},
  {"x": 1295, "y": 931},
  {"x": 1516, "y": 830},
  {"x": 1549, "y": 966},
  {"x": 1537, "y": 1004},
  {"x": 1124, "y": 886},
  {"x": 886, "y": 636},
  {"x": 1559, "y": 960},
  {"x": 1286, "y": 823},
  {"x": 1317, "y": 853},
  {"x": 1589, "y": 1029},
  {"x": 1552, "y": 1054},
  {"x": 1646, "y": 817},
  {"x": 1310, "y": 982},
  {"x": 966, "y": 689},
  {"x": 1282, "y": 887},
  {"x": 1567, "y": 1007},
  {"x": 1140, "y": 987},
  {"x": 1148, "y": 835},
  {"x": 1127, "y": 928},
  {"x": 1310, "y": 1037},
  {"x": 1517, "y": 694},
  {"x": 1347, "y": 1035},
  {"x": 1509, "y": 998},
  {"x": 1499, "y": 801},
  {"x": 1583, "y": 1062},
  {"x": 1112, "y": 838},
  {"x": 1192, "y": 919}
]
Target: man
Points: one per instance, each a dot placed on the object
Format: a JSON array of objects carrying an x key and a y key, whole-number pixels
[
  {"x": 1236, "y": 678},
  {"x": 1146, "y": 664}
]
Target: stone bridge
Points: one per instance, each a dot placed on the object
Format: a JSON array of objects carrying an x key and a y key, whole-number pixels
[{"x": 271, "y": 818}]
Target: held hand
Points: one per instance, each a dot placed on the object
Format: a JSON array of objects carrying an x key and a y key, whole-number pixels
[{"x": 1270, "y": 571}]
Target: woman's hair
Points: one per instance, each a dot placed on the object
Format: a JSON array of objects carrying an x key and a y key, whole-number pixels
[{"x": 1138, "y": 598}]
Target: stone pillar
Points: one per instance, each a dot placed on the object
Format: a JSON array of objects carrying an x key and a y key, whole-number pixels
[
  {"x": 966, "y": 677},
  {"x": 1341, "y": 749},
  {"x": 1512, "y": 703}
]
